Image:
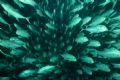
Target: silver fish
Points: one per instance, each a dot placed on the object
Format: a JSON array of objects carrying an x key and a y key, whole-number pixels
[
  {"x": 97, "y": 29},
  {"x": 50, "y": 25},
  {"x": 87, "y": 59},
  {"x": 29, "y": 2},
  {"x": 48, "y": 14},
  {"x": 75, "y": 20},
  {"x": 115, "y": 65},
  {"x": 69, "y": 57},
  {"x": 16, "y": 52},
  {"x": 26, "y": 73},
  {"x": 94, "y": 43},
  {"x": 87, "y": 70},
  {"x": 7, "y": 43},
  {"x": 103, "y": 67},
  {"x": 13, "y": 12},
  {"x": 110, "y": 53},
  {"x": 23, "y": 33},
  {"x": 46, "y": 69},
  {"x": 86, "y": 20},
  {"x": 19, "y": 3},
  {"x": 97, "y": 20},
  {"x": 77, "y": 8},
  {"x": 115, "y": 76},
  {"x": 81, "y": 39}
]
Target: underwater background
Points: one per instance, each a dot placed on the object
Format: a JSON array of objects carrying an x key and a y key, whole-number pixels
[{"x": 59, "y": 39}]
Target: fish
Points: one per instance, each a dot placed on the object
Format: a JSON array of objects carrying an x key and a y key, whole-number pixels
[
  {"x": 116, "y": 18},
  {"x": 114, "y": 25},
  {"x": 74, "y": 21},
  {"x": 116, "y": 65},
  {"x": 39, "y": 12},
  {"x": 86, "y": 20},
  {"x": 54, "y": 59},
  {"x": 46, "y": 69},
  {"x": 13, "y": 12},
  {"x": 116, "y": 31},
  {"x": 105, "y": 3},
  {"x": 115, "y": 76},
  {"x": 87, "y": 70},
  {"x": 47, "y": 2},
  {"x": 17, "y": 40},
  {"x": 94, "y": 43},
  {"x": 97, "y": 20},
  {"x": 108, "y": 13},
  {"x": 80, "y": 72},
  {"x": 29, "y": 2},
  {"x": 19, "y": 3},
  {"x": 103, "y": 67},
  {"x": 87, "y": 59},
  {"x": 61, "y": 11},
  {"x": 48, "y": 14},
  {"x": 116, "y": 45},
  {"x": 32, "y": 3},
  {"x": 72, "y": 2},
  {"x": 69, "y": 47},
  {"x": 77, "y": 8},
  {"x": 26, "y": 73},
  {"x": 37, "y": 47},
  {"x": 4, "y": 78},
  {"x": 88, "y": 1},
  {"x": 50, "y": 25},
  {"x": 16, "y": 52},
  {"x": 28, "y": 60},
  {"x": 18, "y": 27},
  {"x": 23, "y": 33},
  {"x": 32, "y": 28},
  {"x": 110, "y": 53},
  {"x": 97, "y": 29},
  {"x": 69, "y": 57},
  {"x": 81, "y": 39},
  {"x": 7, "y": 43}
]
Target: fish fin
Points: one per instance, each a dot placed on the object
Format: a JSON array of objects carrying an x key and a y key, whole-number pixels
[{"x": 27, "y": 18}]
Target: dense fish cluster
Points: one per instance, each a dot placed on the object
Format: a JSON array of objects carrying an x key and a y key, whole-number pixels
[{"x": 59, "y": 40}]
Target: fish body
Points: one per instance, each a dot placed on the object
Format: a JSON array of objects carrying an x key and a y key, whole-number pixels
[
  {"x": 94, "y": 43},
  {"x": 103, "y": 67},
  {"x": 75, "y": 20},
  {"x": 46, "y": 69},
  {"x": 77, "y": 8},
  {"x": 26, "y": 73},
  {"x": 86, "y": 20},
  {"x": 81, "y": 38},
  {"x": 13, "y": 12},
  {"x": 69, "y": 57},
  {"x": 97, "y": 29},
  {"x": 87, "y": 59},
  {"x": 29, "y": 2},
  {"x": 97, "y": 20},
  {"x": 23, "y": 33},
  {"x": 7, "y": 43},
  {"x": 19, "y": 3},
  {"x": 110, "y": 53}
]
